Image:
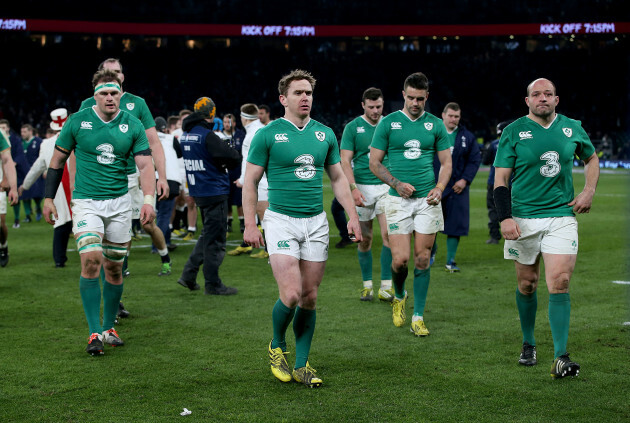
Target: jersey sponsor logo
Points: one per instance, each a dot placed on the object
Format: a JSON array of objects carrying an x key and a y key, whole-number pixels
[
  {"x": 552, "y": 164},
  {"x": 281, "y": 137},
  {"x": 86, "y": 125},
  {"x": 413, "y": 150},
  {"x": 307, "y": 170},
  {"x": 525, "y": 135},
  {"x": 360, "y": 130},
  {"x": 320, "y": 135},
  {"x": 283, "y": 245},
  {"x": 396, "y": 125},
  {"x": 428, "y": 125},
  {"x": 107, "y": 155},
  {"x": 568, "y": 132},
  {"x": 123, "y": 128},
  {"x": 513, "y": 252},
  {"x": 130, "y": 106}
]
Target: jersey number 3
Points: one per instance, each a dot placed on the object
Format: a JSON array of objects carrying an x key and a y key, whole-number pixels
[{"x": 552, "y": 166}]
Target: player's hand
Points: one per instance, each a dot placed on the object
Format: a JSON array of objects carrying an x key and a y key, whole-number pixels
[
  {"x": 582, "y": 203},
  {"x": 434, "y": 197},
  {"x": 13, "y": 196},
  {"x": 50, "y": 211},
  {"x": 20, "y": 190},
  {"x": 147, "y": 214},
  {"x": 405, "y": 190},
  {"x": 162, "y": 189},
  {"x": 459, "y": 186},
  {"x": 354, "y": 229},
  {"x": 510, "y": 229},
  {"x": 238, "y": 184},
  {"x": 253, "y": 237},
  {"x": 358, "y": 197}
]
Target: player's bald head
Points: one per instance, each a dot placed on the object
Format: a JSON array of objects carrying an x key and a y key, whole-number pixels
[{"x": 535, "y": 81}]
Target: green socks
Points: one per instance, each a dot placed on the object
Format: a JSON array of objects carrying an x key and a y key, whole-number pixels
[
  {"x": 365, "y": 263},
  {"x": 303, "y": 328},
  {"x": 452, "y": 242},
  {"x": 386, "y": 264},
  {"x": 527, "y": 306},
  {"x": 559, "y": 316},
  {"x": 111, "y": 300},
  {"x": 421, "y": 279},
  {"x": 91, "y": 296},
  {"x": 398, "y": 279},
  {"x": 281, "y": 317}
]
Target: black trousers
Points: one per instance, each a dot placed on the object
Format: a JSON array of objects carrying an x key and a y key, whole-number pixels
[
  {"x": 339, "y": 215},
  {"x": 61, "y": 235},
  {"x": 210, "y": 248},
  {"x": 493, "y": 218}
]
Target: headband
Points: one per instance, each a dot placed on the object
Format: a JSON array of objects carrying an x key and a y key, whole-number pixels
[
  {"x": 248, "y": 116},
  {"x": 107, "y": 86}
]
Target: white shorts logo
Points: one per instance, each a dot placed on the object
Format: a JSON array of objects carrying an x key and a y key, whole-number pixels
[
  {"x": 281, "y": 137},
  {"x": 525, "y": 135},
  {"x": 567, "y": 131},
  {"x": 396, "y": 125},
  {"x": 130, "y": 106},
  {"x": 86, "y": 125},
  {"x": 307, "y": 170},
  {"x": 123, "y": 128},
  {"x": 413, "y": 150},
  {"x": 107, "y": 155},
  {"x": 320, "y": 135},
  {"x": 428, "y": 125}
]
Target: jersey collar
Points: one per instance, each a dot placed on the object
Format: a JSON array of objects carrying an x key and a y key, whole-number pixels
[
  {"x": 413, "y": 120},
  {"x": 295, "y": 126},
  {"x": 368, "y": 122}
]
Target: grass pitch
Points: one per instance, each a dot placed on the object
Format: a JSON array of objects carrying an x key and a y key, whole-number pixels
[{"x": 209, "y": 354}]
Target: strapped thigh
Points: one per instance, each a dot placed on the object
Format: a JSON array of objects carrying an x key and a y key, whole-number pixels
[
  {"x": 114, "y": 252},
  {"x": 88, "y": 242}
]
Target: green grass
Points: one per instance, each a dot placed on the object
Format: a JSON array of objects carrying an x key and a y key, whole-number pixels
[{"x": 208, "y": 354}]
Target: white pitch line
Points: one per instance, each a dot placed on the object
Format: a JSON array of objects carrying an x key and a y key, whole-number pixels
[
  {"x": 626, "y": 323},
  {"x": 622, "y": 282}
]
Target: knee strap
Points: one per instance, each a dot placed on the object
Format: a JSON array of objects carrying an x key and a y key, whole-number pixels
[
  {"x": 89, "y": 242},
  {"x": 114, "y": 252}
]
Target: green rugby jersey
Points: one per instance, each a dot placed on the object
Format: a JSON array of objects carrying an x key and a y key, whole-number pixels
[
  {"x": 4, "y": 144},
  {"x": 357, "y": 137},
  {"x": 542, "y": 163},
  {"x": 137, "y": 107},
  {"x": 101, "y": 151},
  {"x": 410, "y": 146},
  {"x": 294, "y": 161}
]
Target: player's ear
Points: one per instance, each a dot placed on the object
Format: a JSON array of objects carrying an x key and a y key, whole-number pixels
[{"x": 283, "y": 100}]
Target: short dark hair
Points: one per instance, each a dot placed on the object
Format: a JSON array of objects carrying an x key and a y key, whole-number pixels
[
  {"x": 417, "y": 80},
  {"x": 105, "y": 75},
  {"x": 110, "y": 60},
  {"x": 372, "y": 94},
  {"x": 172, "y": 120},
  {"x": 264, "y": 107},
  {"x": 294, "y": 75},
  {"x": 453, "y": 106},
  {"x": 28, "y": 126},
  {"x": 250, "y": 109}
]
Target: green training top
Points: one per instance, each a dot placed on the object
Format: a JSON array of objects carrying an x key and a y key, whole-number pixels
[
  {"x": 357, "y": 137},
  {"x": 542, "y": 161},
  {"x": 101, "y": 151},
  {"x": 137, "y": 107},
  {"x": 410, "y": 146},
  {"x": 294, "y": 161}
]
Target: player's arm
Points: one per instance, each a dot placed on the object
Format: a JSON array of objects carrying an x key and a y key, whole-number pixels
[
  {"x": 346, "y": 165},
  {"x": 10, "y": 174},
  {"x": 403, "y": 189},
  {"x": 160, "y": 164},
  {"x": 147, "y": 183},
  {"x": 252, "y": 235},
  {"x": 53, "y": 179},
  {"x": 503, "y": 203},
  {"x": 341, "y": 190},
  {"x": 244, "y": 150},
  {"x": 446, "y": 168},
  {"x": 582, "y": 203}
]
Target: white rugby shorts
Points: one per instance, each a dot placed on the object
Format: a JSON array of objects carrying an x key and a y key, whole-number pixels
[
  {"x": 412, "y": 214},
  {"x": 375, "y": 201},
  {"x": 112, "y": 218},
  {"x": 303, "y": 238},
  {"x": 549, "y": 235},
  {"x": 3, "y": 202}
]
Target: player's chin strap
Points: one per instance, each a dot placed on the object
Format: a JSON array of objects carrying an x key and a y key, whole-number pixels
[{"x": 503, "y": 202}]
